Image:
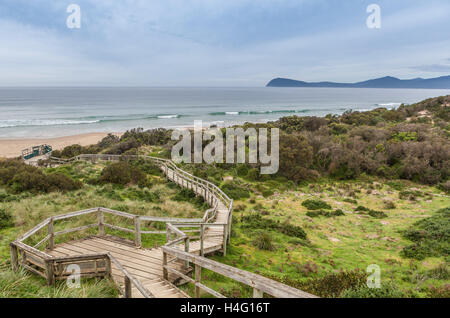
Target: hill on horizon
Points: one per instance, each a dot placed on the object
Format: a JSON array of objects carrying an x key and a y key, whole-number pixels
[{"x": 442, "y": 82}]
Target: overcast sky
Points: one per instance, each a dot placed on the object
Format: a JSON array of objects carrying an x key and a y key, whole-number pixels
[{"x": 219, "y": 42}]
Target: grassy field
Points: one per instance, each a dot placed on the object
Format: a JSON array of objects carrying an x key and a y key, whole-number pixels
[
  {"x": 274, "y": 247},
  {"x": 29, "y": 209},
  {"x": 353, "y": 240}
]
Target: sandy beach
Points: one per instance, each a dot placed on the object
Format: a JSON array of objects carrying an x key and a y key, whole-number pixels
[{"x": 10, "y": 148}]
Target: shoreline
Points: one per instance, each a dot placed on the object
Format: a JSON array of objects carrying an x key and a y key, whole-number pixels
[{"x": 12, "y": 147}]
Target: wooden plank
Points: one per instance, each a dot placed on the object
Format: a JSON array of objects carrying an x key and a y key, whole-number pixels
[
  {"x": 257, "y": 281},
  {"x": 130, "y": 279},
  {"x": 100, "y": 221},
  {"x": 198, "y": 278},
  {"x": 137, "y": 231},
  {"x": 42, "y": 241},
  {"x": 33, "y": 230},
  {"x": 14, "y": 257},
  {"x": 119, "y": 213},
  {"x": 50, "y": 235},
  {"x": 73, "y": 214},
  {"x": 80, "y": 228},
  {"x": 119, "y": 228},
  {"x": 209, "y": 290}
]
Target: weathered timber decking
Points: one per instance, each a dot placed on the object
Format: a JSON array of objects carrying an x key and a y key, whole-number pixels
[
  {"x": 144, "y": 264},
  {"x": 140, "y": 272}
]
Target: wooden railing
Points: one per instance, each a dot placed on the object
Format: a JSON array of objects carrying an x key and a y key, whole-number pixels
[
  {"x": 260, "y": 284},
  {"x": 52, "y": 268},
  {"x": 179, "y": 233}
]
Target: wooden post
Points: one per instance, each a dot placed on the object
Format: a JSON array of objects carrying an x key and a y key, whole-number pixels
[
  {"x": 51, "y": 241},
  {"x": 230, "y": 220},
  {"x": 49, "y": 272},
  {"x": 202, "y": 233},
  {"x": 127, "y": 287},
  {"x": 167, "y": 233},
  {"x": 137, "y": 231},
  {"x": 165, "y": 272},
  {"x": 14, "y": 256},
  {"x": 257, "y": 293},
  {"x": 186, "y": 249},
  {"x": 198, "y": 278},
  {"x": 225, "y": 238},
  {"x": 108, "y": 267},
  {"x": 101, "y": 226}
]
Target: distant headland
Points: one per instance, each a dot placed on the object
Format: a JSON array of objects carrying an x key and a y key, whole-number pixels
[{"x": 383, "y": 82}]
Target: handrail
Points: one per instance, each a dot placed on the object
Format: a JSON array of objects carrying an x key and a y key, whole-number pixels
[
  {"x": 260, "y": 283},
  {"x": 166, "y": 162},
  {"x": 130, "y": 279},
  {"x": 211, "y": 193}
]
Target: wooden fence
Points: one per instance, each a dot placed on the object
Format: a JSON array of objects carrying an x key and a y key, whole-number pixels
[{"x": 179, "y": 234}]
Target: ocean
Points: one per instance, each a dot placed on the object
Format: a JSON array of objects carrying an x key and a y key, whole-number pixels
[{"x": 54, "y": 112}]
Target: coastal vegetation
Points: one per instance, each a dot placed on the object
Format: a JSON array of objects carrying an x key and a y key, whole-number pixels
[{"x": 352, "y": 190}]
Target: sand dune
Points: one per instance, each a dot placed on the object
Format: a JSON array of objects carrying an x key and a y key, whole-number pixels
[{"x": 13, "y": 147}]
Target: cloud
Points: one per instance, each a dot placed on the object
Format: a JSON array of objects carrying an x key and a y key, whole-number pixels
[
  {"x": 435, "y": 68},
  {"x": 218, "y": 43}
]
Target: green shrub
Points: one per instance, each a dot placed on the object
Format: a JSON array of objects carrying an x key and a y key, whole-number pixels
[
  {"x": 242, "y": 170},
  {"x": 389, "y": 205},
  {"x": 292, "y": 230},
  {"x": 377, "y": 214},
  {"x": 235, "y": 191},
  {"x": 184, "y": 194},
  {"x": 256, "y": 221},
  {"x": 361, "y": 208},
  {"x": 440, "y": 272},
  {"x": 431, "y": 236},
  {"x": 6, "y": 219},
  {"x": 409, "y": 195},
  {"x": 331, "y": 285},
  {"x": 314, "y": 214},
  {"x": 316, "y": 204},
  {"x": 61, "y": 182},
  {"x": 253, "y": 174},
  {"x": 263, "y": 241},
  {"x": 267, "y": 193},
  {"x": 352, "y": 201},
  {"x": 439, "y": 292},
  {"x": 122, "y": 173},
  {"x": 387, "y": 290},
  {"x": 372, "y": 213}
]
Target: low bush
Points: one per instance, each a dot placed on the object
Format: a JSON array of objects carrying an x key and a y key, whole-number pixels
[
  {"x": 122, "y": 173},
  {"x": 6, "y": 219},
  {"x": 256, "y": 221},
  {"x": 431, "y": 236},
  {"x": 314, "y": 214},
  {"x": 387, "y": 290},
  {"x": 184, "y": 195},
  {"x": 361, "y": 208},
  {"x": 316, "y": 204},
  {"x": 409, "y": 195},
  {"x": 389, "y": 205},
  {"x": 439, "y": 292},
  {"x": 372, "y": 213},
  {"x": 267, "y": 193},
  {"x": 377, "y": 214},
  {"x": 329, "y": 286},
  {"x": 235, "y": 191},
  {"x": 263, "y": 241},
  {"x": 242, "y": 170}
]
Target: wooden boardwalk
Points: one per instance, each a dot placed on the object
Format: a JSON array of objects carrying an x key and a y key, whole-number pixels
[{"x": 140, "y": 272}]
